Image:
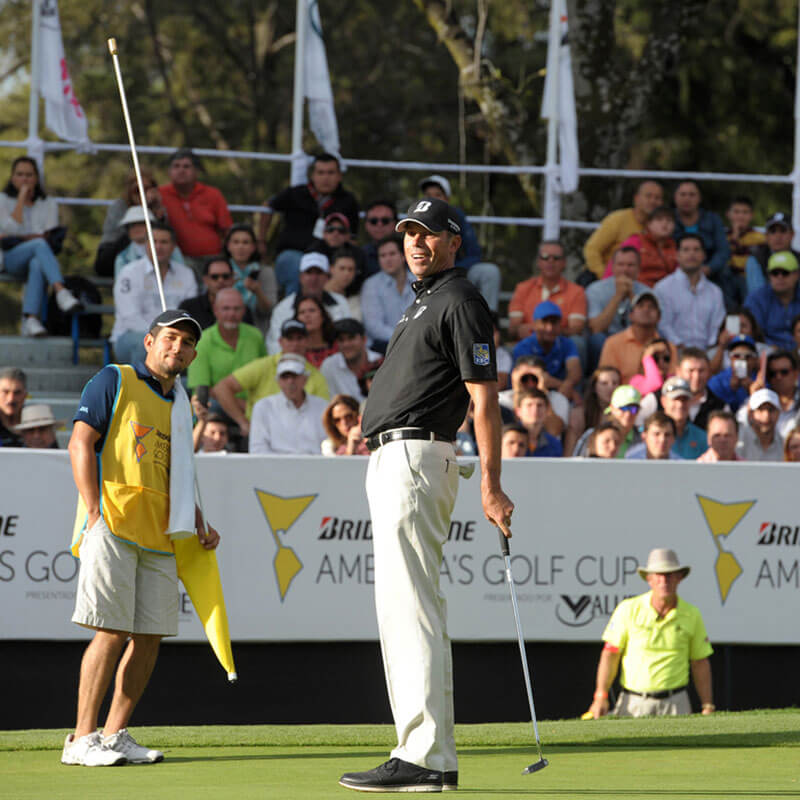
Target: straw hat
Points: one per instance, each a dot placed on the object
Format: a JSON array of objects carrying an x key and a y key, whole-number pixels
[
  {"x": 662, "y": 561},
  {"x": 37, "y": 415}
]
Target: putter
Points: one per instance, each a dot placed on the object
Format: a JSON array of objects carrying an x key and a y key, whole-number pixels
[{"x": 542, "y": 762}]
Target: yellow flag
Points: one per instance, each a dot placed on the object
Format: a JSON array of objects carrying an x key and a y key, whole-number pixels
[{"x": 199, "y": 571}]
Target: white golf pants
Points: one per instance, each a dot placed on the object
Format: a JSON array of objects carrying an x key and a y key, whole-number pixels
[{"x": 411, "y": 488}]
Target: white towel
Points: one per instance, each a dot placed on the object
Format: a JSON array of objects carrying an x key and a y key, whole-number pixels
[{"x": 181, "y": 468}]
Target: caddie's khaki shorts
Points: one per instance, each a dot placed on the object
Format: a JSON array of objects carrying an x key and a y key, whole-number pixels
[{"x": 124, "y": 588}]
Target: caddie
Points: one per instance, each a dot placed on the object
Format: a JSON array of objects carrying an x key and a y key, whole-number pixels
[
  {"x": 129, "y": 448},
  {"x": 654, "y": 640}
]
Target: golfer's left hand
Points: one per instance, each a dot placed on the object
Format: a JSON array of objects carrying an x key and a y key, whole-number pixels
[
  {"x": 497, "y": 507},
  {"x": 208, "y": 536}
]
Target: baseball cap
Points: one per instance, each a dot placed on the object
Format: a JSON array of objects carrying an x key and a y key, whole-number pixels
[
  {"x": 436, "y": 180},
  {"x": 135, "y": 214},
  {"x": 625, "y": 395},
  {"x": 289, "y": 362},
  {"x": 641, "y": 296},
  {"x": 676, "y": 387},
  {"x": 782, "y": 260},
  {"x": 546, "y": 309},
  {"x": 315, "y": 259},
  {"x": 431, "y": 213},
  {"x": 741, "y": 339},
  {"x": 779, "y": 218},
  {"x": 293, "y": 326},
  {"x": 348, "y": 326},
  {"x": 36, "y": 415},
  {"x": 337, "y": 216},
  {"x": 171, "y": 317},
  {"x": 758, "y": 398}
]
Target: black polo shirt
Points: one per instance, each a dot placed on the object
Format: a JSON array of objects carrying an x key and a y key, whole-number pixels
[{"x": 444, "y": 338}]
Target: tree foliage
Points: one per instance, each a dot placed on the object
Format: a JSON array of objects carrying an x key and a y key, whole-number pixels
[{"x": 661, "y": 84}]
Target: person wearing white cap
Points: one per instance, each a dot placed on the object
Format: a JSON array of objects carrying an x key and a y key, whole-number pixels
[
  {"x": 314, "y": 273},
  {"x": 759, "y": 439},
  {"x": 37, "y": 426},
  {"x": 485, "y": 275},
  {"x": 290, "y": 421},
  {"x": 654, "y": 640}
]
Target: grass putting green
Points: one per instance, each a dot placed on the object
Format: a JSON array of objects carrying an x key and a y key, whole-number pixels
[{"x": 738, "y": 755}]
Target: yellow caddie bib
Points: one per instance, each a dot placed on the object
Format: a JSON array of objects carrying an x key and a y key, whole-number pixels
[{"x": 133, "y": 467}]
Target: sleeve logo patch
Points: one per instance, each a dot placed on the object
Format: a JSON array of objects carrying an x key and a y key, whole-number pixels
[{"x": 480, "y": 355}]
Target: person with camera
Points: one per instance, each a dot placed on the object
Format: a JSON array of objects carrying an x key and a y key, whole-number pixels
[
  {"x": 29, "y": 236},
  {"x": 735, "y": 384},
  {"x": 255, "y": 281}
]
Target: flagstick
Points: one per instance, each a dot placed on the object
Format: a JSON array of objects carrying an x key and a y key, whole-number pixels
[{"x": 112, "y": 48}]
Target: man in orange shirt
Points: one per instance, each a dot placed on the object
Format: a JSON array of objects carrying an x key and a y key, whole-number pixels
[
  {"x": 617, "y": 226},
  {"x": 197, "y": 212},
  {"x": 548, "y": 285},
  {"x": 624, "y": 350}
]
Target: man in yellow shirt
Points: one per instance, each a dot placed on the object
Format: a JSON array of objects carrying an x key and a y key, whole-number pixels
[
  {"x": 617, "y": 226},
  {"x": 654, "y": 639}
]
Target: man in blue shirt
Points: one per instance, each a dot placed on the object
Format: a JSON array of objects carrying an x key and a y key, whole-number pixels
[
  {"x": 732, "y": 385},
  {"x": 558, "y": 352},
  {"x": 776, "y": 305},
  {"x": 532, "y": 407}
]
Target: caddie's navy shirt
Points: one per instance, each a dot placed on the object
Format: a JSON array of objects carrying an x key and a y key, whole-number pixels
[{"x": 444, "y": 338}]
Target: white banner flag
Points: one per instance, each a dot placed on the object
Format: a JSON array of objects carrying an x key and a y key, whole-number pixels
[
  {"x": 563, "y": 106},
  {"x": 64, "y": 115},
  {"x": 317, "y": 89}
]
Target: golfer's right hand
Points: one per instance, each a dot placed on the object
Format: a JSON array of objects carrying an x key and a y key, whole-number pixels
[
  {"x": 599, "y": 707},
  {"x": 497, "y": 507}
]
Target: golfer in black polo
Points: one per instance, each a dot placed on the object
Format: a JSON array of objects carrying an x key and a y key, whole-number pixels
[{"x": 440, "y": 355}]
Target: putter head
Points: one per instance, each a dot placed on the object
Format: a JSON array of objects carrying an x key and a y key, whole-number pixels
[{"x": 536, "y": 766}]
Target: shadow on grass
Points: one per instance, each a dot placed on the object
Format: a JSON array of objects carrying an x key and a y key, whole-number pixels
[
  {"x": 631, "y": 792},
  {"x": 340, "y": 755}
]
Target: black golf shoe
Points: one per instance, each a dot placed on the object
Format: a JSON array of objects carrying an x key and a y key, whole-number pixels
[
  {"x": 450, "y": 780},
  {"x": 395, "y": 775}
]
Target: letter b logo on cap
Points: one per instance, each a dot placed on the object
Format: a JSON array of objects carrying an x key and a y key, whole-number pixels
[{"x": 422, "y": 207}]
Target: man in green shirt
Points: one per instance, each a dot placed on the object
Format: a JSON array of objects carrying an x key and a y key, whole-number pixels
[
  {"x": 654, "y": 639},
  {"x": 228, "y": 344},
  {"x": 238, "y": 392}
]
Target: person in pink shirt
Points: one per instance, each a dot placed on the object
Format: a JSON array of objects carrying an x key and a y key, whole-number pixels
[{"x": 197, "y": 212}]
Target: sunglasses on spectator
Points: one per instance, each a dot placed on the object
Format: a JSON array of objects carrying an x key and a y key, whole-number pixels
[
  {"x": 780, "y": 273},
  {"x": 220, "y": 276},
  {"x": 335, "y": 229},
  {"x": 550, "y": 258},
  {"x": 379, "y": 220},
  {"x": 661, "y": 357},
  {"x": 779, "y": 373},
  {"x": 631, "y": 409},
  {"x": 529, "y": 379}
]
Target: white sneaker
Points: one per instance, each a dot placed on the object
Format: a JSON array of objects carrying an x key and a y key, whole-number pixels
[
  {"x": 31, "y": 326},
  {"x": 89, "y": 751},
  {"x": 67, "y": 301},
  {"x": 122, "y": 742}
]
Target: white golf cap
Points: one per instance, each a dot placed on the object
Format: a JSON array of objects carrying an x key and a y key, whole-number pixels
[
  {"x": 758, "y": 398},
  {"x": 135, "y": 214},
  {"x": 312, "y": 260},
  {"x": 36, "y": 415},
  {"x": 437, "y": 180},
  {"x": 290, "y": 362}
]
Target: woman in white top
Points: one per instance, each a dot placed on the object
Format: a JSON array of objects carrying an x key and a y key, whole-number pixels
[{"x": 26, "y": 213}]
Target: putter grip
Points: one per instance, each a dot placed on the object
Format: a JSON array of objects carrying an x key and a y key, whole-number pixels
[
  {"x": 504, "y": 547},
  {"x": 112, "y": 46}
]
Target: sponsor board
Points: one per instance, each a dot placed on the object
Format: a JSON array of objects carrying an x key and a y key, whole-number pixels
[{"x": 296, "y": 552}]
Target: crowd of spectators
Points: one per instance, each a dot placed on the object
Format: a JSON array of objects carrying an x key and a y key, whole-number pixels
[{"x": 679, "y": 339}]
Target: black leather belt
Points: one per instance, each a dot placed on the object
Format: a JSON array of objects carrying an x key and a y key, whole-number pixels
[
  {"x": 396, "y": 434},
  {"x": 658, "y": 695}
]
